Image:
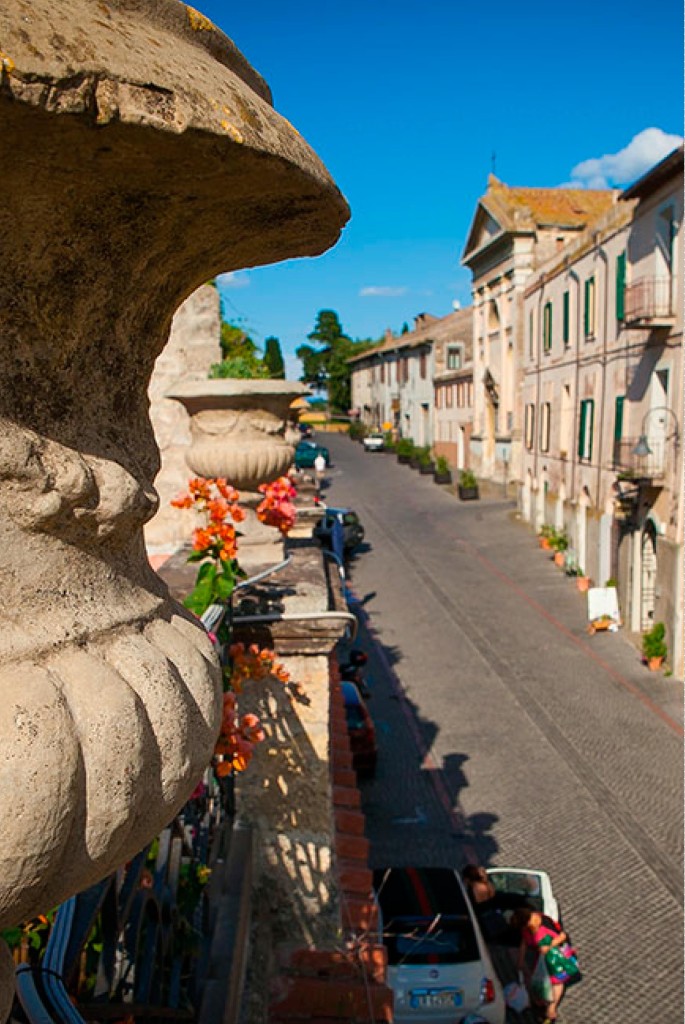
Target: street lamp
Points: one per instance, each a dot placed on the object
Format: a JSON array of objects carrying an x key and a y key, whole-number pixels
[{"x": 642, "y": 447}]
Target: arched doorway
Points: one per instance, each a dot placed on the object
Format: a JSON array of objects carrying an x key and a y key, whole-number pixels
[{"x": 647, "y": 575}]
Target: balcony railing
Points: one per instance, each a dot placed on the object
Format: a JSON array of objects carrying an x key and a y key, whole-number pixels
[
  {"x": 649, "y": 303},
  {"x": 151, "y": 940},
  {"x": 653, "y": 466}
]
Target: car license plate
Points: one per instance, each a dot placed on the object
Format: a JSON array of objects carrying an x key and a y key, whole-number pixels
[{"x": 427, "y": 998}]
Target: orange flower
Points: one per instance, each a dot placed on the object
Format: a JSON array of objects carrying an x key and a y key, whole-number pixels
[
  {"x": 202, "y": 539},
  {"x": 182, "y": 501}
]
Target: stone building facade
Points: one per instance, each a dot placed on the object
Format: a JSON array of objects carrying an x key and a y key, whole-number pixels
[
  {"x": 514, "y": 230},
  {"x": 602, "y": 372},
  {"x": 453, "y": 390},
  {"x": 393, "y": 383}
]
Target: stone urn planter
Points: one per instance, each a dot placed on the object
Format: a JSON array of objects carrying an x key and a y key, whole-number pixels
[
  {"x": 146, "y": 158},
  {"x": 238, "y": 431}
]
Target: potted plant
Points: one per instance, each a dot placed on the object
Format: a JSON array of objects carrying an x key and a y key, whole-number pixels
[
  {"x": 426, "y": 464},
  {"x": 545, "y": 535},
  {"x": 442, "y": 473},
  {"x": 389, "y": 443},
  {"x": 582, "y": 581},
  {"x": 654, "y": 646},
  {"x": 416, "y": 456},
  {"x": 468, "y": 486},
  {"x": 559, "y": 544},
  {"x": 404, "y": 449}
]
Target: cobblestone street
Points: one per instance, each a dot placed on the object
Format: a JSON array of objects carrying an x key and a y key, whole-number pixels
[{"x": 508, "y": 735}]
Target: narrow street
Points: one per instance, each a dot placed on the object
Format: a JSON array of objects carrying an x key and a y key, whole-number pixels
[{"x": 509, "y": 736}]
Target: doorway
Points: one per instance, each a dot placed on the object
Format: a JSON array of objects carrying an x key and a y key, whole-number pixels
[{"x": 648, "y": 567}]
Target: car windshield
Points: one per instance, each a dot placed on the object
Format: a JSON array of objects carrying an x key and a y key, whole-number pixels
[
  {"x": 425, "y": 916},
  {"x": 522, "y": 888},
  {"x": 443, "y": 939}
]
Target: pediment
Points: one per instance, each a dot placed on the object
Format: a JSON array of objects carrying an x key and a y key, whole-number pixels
[{"x": 484, "y": 228}]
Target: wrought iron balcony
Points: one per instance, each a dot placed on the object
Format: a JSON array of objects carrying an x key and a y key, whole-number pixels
[
  {"x": 650, "y": 467},
  {"x": 649, "y": 303},
  {"x": 147, "y": 942}
]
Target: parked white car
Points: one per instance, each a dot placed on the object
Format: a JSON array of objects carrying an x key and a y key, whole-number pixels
[
  {"x": 374, "y": 442},
  {"x": 439, "y": 967},
  {"x": 525, "y": 887}
]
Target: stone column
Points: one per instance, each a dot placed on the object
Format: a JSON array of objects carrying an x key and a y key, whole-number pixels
[
  {"x": 193, "y": 346},
  {"x": 142, "y": 156}
]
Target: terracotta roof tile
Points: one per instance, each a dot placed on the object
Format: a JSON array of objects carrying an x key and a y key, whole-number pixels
[{"x": 565, "y": 207}]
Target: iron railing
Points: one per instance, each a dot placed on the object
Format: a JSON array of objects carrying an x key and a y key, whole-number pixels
[
  {"x": 653, "y": 466},
  {"x": 140, "y": 942},
  {"x": 649, "y": 301}
]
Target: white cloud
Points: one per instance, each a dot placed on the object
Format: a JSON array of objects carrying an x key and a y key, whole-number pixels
[
  {"x": 233, "y": 279},
  {"x": 382, "y": 291},
  {"x": 647, "y": 148}
]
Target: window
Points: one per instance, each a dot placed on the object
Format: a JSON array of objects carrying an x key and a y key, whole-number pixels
[
  {"x": 530, "y": 426},
  {"x": 545, "y": 414},
  {"x": 450, "y": 395},
  {"x": 589, "y": 322},
  {"x": 587, "y": 422},
  {"x": 382, "y": 373},
  {"x": 618, "y": 417},
  {"x": 531, "y": 336},
  {"x": 438, "y": 398},
  {"x": 547, "y": 327},
  {"x": 566, "y": 329},
  {"x": 620, "y": 286},
  {"x": 453, "y": 358},
  {"x": 422, "y": 365}
]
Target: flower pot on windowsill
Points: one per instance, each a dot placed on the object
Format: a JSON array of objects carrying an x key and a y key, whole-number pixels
[{"x": 468, "y": 493}]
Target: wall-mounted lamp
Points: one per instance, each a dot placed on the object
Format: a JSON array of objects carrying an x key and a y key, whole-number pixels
[{"x": 642, "y": 447}]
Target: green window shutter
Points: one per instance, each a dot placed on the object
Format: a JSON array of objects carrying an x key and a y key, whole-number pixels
[
  {"x": 547, "y": 327},
  {"x": 587, "y": 308},
  {"x": 618, "y": 418},
  {"x": 620, "y": 285},
  {"x": 581, "y": 430},
  {"x": 567, "y": 301},
  {"x": 591, "y": 428}
]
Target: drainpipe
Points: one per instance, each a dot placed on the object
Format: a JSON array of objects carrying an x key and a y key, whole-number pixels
[
  {"x": 538, "y": 371},
  {"x": 603, "y": 256},
  {"x": 572, "y": 274}
]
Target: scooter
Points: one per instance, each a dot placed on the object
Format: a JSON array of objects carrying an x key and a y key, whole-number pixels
[{"x": 351, "y": 670}]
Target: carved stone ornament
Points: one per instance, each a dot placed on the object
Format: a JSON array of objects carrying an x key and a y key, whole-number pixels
[
  {"x": 141, "y": 156},
  {"x": 237, "y": 428}
]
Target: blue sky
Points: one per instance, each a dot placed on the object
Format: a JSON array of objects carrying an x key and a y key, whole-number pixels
[{"x": 406, "y": 103}]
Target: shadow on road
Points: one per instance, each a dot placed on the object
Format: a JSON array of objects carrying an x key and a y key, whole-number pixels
[{"x": 413, "y": 805}]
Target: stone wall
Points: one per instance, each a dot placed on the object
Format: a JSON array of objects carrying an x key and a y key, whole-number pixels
[{"x": 192, "y": 348}]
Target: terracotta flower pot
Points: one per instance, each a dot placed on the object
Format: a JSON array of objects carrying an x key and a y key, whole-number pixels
[
  {"x": 545, "y": 544},
  {"x": 654, "y": 664},
  {"x": 583, "y": 583},
  {"x": 559, "y": 559}
]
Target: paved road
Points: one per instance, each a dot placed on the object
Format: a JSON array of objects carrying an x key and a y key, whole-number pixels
[{"x": 508, "y": 735}]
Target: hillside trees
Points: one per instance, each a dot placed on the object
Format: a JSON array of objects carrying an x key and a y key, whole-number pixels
[{"x": 326, "y": 367}]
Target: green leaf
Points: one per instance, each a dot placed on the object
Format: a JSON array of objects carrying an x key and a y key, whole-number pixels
[
  {"x": 197, "y": 556},
  {"x": 202, "y": 594}
]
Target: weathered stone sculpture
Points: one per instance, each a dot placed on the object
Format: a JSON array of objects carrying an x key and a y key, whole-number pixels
[{"x": 141, "y": 155}]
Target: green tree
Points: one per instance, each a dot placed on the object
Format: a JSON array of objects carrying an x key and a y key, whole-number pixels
[
  {"x": 326, "y": 367},
  {"x": 240, "y": 355},
  {"x": 273, "y": 358}
]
